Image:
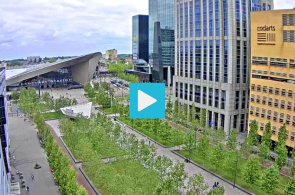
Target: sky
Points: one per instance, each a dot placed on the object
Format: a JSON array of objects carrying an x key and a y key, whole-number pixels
[{"x": 49, "y": 28}]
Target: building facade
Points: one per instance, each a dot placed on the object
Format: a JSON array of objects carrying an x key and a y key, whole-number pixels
[
  {"x": 212, "y": 59},
  {"x": 140, "y": 37},
  {"x": 161, "y": 39},
  {"x": 111, "y": 54},
  {"x": 272, "y": 84},
  {"x": 4, "y": 144}
]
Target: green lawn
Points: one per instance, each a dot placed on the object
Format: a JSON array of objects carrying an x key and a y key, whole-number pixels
[
  {"x": 53, "y": 115},
  {"x": 230, "y": 176},
  {"x": 110, "y": 110}
]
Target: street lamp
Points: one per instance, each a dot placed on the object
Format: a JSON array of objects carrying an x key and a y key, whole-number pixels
[{"x": 236, "y": 169}]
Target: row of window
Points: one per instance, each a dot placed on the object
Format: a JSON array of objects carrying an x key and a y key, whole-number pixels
[
  {"x": 273, "y": 73},
  {"x": 289, "y": 19},
  {"x": 271, "y": 90},
  {"x": 275, "y": 116},
  {"x": 270, "y": 102},
  {"x": 289, "y": 36}
]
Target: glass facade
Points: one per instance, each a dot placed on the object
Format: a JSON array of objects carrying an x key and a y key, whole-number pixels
[
  {"x": 140, "y": 35},
  {"x": 162, "y": 11}
]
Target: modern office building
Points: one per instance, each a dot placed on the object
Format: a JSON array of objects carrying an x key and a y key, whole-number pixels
[
  {"x": 261, "y": 5},
  {"x": 212, "y": 59},
  {"x": 140, "y": 38},
  {"x": 34, "y": 59},
  {"x": 111, "y": 54},
  {"x": 4, "y": 144},
  {"x": 161, "y": 39},
  {"x": 272, "y": 84}
]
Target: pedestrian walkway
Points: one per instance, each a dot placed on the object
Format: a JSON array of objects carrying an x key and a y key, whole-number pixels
[
  {"x": 26, "y": 151},
  {"x": 190, "y": 168}
]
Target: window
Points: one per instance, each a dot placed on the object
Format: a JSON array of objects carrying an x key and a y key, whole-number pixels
[
  {"x": 282, "y": 118},
  {"x": 289, "y": 36},
  {"x": 276, "y": 104},
  {"x": 283, "y": 92},
  {"x": 252, "y": 97},
  {"x": 270, "y": 101},
  {"x": 270, "y": 90},
  {"x": 289, "y": 107},
  {"x": 282, "y": 104},
  {"x": 290, "y": 93},
  {"x": 264, "y": 100},
  {"x": 253, "y": 87},
  {"x": 277, "y": 92},
  {"x": 273, "y": 132},
  {"x": 292, "y": 138},
  {"x": 258, "y": 99},
  {"x": 268, "y": 114},
  {"x": 263, "y": 113},
  {"x": 262, "y": 127},
  {"x": 259, "y": 88},
  {"x": 265, "y": 89}
]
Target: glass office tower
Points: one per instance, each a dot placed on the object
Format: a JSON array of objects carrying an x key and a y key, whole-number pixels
[
  {"x": 161, "y": 37},
  {"x": 212, "y": 53},
  {"x": 140, "y": 36},
  {"x": 4, "y": 144}
]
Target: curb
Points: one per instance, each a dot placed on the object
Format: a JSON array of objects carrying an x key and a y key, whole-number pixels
[
  {"x": 212, "y": 173},
  {"x": 89, "y": 181},
  {"x": 144, "y": 135}
]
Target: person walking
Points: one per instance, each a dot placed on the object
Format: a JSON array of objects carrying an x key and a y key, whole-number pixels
[
  {"x": 32, "y": 176},
  {"x": 28, "y": 190}
]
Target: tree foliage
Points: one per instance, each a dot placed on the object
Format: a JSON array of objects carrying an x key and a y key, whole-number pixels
[
  {"x": 203, "y": 118},
  {"x": 253, "y": 133},
  {"x": 290, "y": 188},
  {"x": 232, "y": 140},
  {"x": 282, "y": 137},
  {"x": 266, "y": 138},
  {"x": 281, "y": 159},
  {"x": 196, "y": 185},
  {"x": 270, "y": 180},
  {"x": 251, "y": 172}
]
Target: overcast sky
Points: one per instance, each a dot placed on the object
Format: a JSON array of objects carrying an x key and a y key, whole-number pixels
[{"x": 49, "y": 28}]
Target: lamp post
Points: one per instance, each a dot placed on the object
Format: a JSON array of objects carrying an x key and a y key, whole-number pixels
[{"x": 236, "y": 169}]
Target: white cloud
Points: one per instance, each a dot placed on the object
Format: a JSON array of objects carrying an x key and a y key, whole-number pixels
[
  {"x": 284, "y": 4},
  {"x": 95, "y": 24}
]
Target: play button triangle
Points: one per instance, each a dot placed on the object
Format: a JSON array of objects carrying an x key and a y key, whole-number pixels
[{"x": 144, "y": 100}]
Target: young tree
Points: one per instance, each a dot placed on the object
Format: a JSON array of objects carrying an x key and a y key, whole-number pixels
[
  {"x": 190, "y": 142},
  {"x": 192, "y": 115},
  {"x": 253, "y": 133},
  {"x": 169, "y": 108},
  {"x": 217, "y": 155},
  {"x": 270, "y": 180},
  {"x": 290, "y": 188},
  {"x": 263, "y": 151},
  {"x": 266, "y": 138},
  {"x": 218, "y": 135},
  {"x": 178, "y": 175},
  {"x": 246, "y": 149},
  {"x": 282, "y": 137},
  {"x": 251, "y": 172},
  {"x": 197, "y": 185},
  {"x": 282, "y": 156},
  {"x": 184, "y": 114},
  {"x": 176, "y": 110},
  {"x": 232, "y": 140},
  {"x": 203, "y": 145},
  {"x": 203, "y": 118}
]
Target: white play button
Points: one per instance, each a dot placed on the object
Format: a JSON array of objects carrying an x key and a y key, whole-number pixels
[{"x": 144, "y": 100}]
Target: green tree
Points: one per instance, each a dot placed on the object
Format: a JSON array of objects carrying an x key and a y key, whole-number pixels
[
  {"x": 218, "y": 135},
  {"x": 251, "y": 172},
  {"x": 270, "y": 180},
  {"x": 192, "y": 114},
  {"x": 190, "y": 142},
  {"x": 178, "y": 175},
  {"x": 246, "y": 148},
  {"x": 52, "y": 60},
  {"x": 290, "y": 188},
  {"x": 197, "y": 185},
  {"x": 282, "y": 156},
  {"x": 15, "y": 95},
  {"x": 282, "y": 137},
  {"x": 203, "y": 145},
  {"x": 232, "y": 140},
  {"x": 293, "y": 165},
  {"x": 169, "y": 108},
  {"x": 167, "y": 187},
  {"x": 230, "y": 161},
  {"x": 184, "y": 114},
  {"x": 266, "y": 138},
  {"x": 217, "y": 191},
  {"x": 253, "y": 133},
  {"x": 263, "y": 152},
  {"x": 217, "y": 155},
  {"x": 14, "y": 63},
  {"x": 203, "y": 118},
  {"x": 176, "y": 110}
]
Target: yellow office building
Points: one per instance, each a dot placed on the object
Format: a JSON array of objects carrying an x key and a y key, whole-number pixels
[{"x": 272, "y": 93}]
